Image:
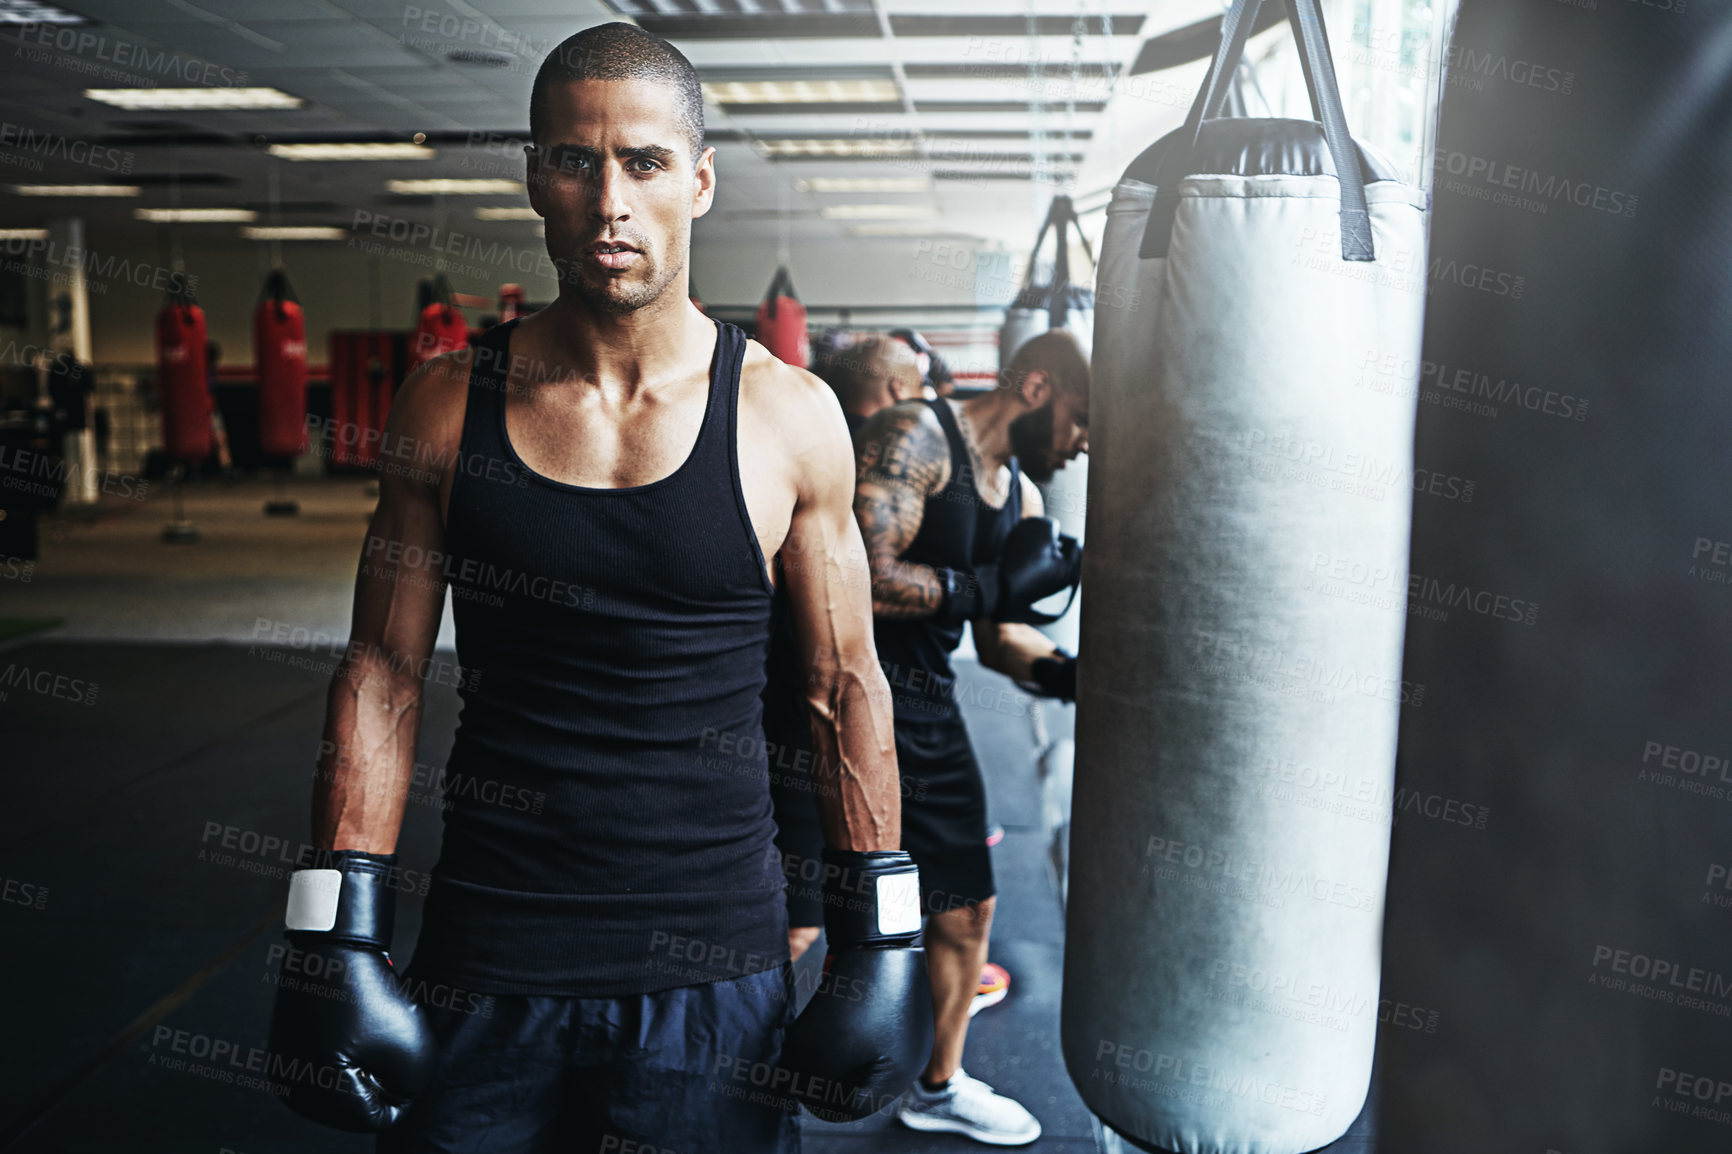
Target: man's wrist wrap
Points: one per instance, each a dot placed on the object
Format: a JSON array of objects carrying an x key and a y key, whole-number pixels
[
  {"x": 347, "y": 896},
  {"x": 871, "y": 899}
]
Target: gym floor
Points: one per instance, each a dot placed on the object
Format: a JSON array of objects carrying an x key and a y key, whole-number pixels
[{"x": 159, "y": 785}]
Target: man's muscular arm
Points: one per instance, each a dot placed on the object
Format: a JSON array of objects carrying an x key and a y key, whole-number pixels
[
  {"x": 374, "y": 705},
  {"x": 826, "y": 580},
  {"x": 903, "y": 460}
]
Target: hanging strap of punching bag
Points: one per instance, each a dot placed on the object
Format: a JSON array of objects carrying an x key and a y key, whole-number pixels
[
  {"x": 1320, "y": 84},
  {"x": 1034, "y": 253},
  {"x": 1319, "y": 69},
  {"x": 1061, "y": 220},
  {"x": 782, "y": 284},
  {"x": 277, "y": 289},
  {"x": 1058, "y": 303},
  {"x": 1065, "y": 222}
]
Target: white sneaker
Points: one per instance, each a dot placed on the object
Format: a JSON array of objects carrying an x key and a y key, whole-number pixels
[{"x": 968, "y": 1106}]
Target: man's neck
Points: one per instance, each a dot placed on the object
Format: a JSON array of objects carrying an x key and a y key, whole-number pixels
[
  {"x": 623, "y": 350},
  {"x": 989, "y": 419}
]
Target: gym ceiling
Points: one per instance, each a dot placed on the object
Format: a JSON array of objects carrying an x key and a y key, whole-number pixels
[{"x": 832, "y": 119}]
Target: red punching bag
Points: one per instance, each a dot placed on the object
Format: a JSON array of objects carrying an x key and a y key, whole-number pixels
[
  {"x": 180, "y": 381},
  {"x": 782, "y": 322},
  {"x": 440, "y": 330},
  {"x": 280, "y": 360}
]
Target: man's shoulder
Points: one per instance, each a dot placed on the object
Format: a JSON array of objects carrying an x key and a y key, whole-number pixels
[
  {"x": 437, "y": 385},
  {"x": 428, "y": 409},
  {"x": 766, "y": 379},
  {"x": 800, "y": 408}
]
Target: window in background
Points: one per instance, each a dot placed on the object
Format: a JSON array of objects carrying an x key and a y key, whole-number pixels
[{"x": 1389, "y": 57}]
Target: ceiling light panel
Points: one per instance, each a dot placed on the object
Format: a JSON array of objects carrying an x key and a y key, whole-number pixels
[
  {"x": 195, "y": 215},
  {"x": 803, "y": 91},
  {"x": 30, "y": 12},
  {"x": 354, "y": 150},
  {"x": 752, "y": 19},
  {"x": 446, "y": 187},
  {"x": 77, "y": 189},
  {"x": 847, "y": 146},
  {"x": 864, "y": 184},
  {"x": 973, "y": 24},
  {"x": 499, "y": 212},
  {"x": 849, "y": 70},
  {"x": 899, "y": 229},
  {"x": 294, "y": 232},
  {"x": 185, "y": 99},
  {"x": 878, "y": 211}
]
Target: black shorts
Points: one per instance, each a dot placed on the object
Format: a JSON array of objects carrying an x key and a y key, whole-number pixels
[
  {"x": 944, "y": 813},
  {"x": 676, "y": 1070}
]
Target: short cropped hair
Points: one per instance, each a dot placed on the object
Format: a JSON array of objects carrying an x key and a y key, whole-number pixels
[
  {"x": 853, "y": 371},
  {"x": 620, "y": 51},
  {"x": 1057, "y": 354}
]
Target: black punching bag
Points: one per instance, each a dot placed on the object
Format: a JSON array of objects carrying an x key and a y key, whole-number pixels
[{"x": 1558, "y": 953}]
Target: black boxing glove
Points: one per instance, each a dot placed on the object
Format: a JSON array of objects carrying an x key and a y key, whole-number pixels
[
  {"x": 1036, "y": 562},
  {"x": 867, "y": 1032},
  {"x": 1053, "y": 676},
  {"x": 967, "y": 594},
  {"x": 349, "y": 1049}
]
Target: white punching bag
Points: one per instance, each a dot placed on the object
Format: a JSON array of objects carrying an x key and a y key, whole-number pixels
[
  {"x": 1240, "y": 673},
  {"x": 1039, "y": 308}
]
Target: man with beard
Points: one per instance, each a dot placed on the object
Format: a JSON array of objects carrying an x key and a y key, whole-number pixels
[
  {"x": 941, "y": 489},
  {"x": 603, "y": 961}
]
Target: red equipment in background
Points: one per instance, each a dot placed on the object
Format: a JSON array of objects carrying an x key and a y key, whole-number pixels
[
  {"x": 440, "y": 327},
  {"x": 180, "y": 381},
  {"x": 280, "y": 360},
  {"x": 782, "y": 322},
  {"x": 365, "y": 370},
  {"x": 511, "y": 303},
  {"x": 367, "y": 367}
]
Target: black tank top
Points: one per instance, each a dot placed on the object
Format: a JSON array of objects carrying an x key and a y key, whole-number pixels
[
  {"x": 958, "y": 530},
  {"x": 608, "y": 827}
]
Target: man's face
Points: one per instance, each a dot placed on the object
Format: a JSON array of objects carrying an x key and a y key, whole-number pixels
[
  {"x": 614, "y": 179},
  {"x": 1050, "y": 436}
]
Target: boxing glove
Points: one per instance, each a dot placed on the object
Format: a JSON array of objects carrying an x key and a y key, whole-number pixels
[
  {"x": 349, "y": 1049},
  {"x": 1036, "y": 562},
  {"x": 867, "y": 1031},
  {"x": 968, "y": 594},
  {"x": 1053, "y": 676}
]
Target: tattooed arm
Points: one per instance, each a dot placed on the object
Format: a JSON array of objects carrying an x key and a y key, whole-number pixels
[{"x": 902, "y": 458}]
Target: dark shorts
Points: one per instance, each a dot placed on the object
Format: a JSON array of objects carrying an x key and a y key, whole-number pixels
[
  {"x": 669, "y": 1071},
  {"x": 944, "y": 813}
]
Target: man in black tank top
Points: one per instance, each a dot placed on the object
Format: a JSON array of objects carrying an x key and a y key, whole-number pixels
[
  {"x": 943, "y": 496},
  {"x": 601, "y": 486}
]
